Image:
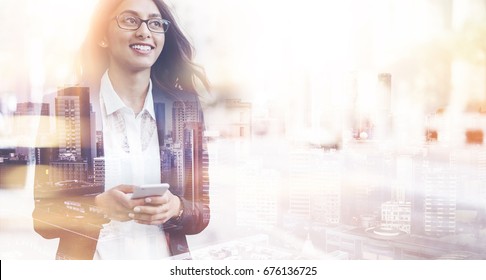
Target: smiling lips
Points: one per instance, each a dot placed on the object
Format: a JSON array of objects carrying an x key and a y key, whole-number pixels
[{"x": 141, "y": 48}]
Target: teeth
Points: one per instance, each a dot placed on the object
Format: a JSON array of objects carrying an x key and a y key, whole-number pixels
[{"x": 141, "y": 47}]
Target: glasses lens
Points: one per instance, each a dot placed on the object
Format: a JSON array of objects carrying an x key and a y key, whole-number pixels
[
  {"x": 131, "y": 22},
  {"x": 158, "y": 25},
  {"x": 128, "y": 21}
]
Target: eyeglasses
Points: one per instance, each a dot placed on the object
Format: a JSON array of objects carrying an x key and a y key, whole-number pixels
[{"x": 131, "y": 22}]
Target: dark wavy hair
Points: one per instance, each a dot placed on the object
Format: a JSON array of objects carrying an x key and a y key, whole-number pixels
[{"x": 173, "y": 71}]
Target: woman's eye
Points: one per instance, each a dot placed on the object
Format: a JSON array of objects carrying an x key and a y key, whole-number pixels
[
  {"x": 156, "y": 23},
  {"x": 130, "y": 20}
]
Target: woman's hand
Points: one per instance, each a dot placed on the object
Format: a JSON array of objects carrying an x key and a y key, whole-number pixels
[
  {"x": 116, "y": 202},
  {"x": 156, "y": 210}
]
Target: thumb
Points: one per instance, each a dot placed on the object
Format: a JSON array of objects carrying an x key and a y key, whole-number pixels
[{"x": 125, "y": 188}]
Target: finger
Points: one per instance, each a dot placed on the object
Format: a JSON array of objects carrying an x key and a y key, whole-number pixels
[
  {"x": 151, "y": 210},
  {"x": 119, "y": 198},
  {"x": 136, "y": 202},
  {"x": 156, "y": 200},
  {"x": 124, "y": 201},
  {"x": 125, "y": 188},
  {"x": 148, "y": 218}
]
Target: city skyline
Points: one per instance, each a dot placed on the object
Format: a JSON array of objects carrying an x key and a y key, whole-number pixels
[
  {"x": 335, "y": 129},
  {"x": 423, "y": 193}
]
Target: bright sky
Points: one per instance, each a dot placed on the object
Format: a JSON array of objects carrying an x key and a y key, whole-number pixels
[{"x": 266, "y": 50}]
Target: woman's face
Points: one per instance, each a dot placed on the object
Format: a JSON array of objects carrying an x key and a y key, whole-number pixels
[{"x": 135, "y": 50}]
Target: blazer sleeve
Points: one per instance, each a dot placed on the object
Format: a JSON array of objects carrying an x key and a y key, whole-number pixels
[
  {"x": 55, "y": 213},
  {"x": 195, "y": 197},
  {"x": 58, "y": 217}
]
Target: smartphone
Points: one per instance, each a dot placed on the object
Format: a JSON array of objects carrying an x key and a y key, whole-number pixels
[{"x": 149, "y": 190}]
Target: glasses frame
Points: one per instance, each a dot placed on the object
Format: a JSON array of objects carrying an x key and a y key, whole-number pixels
[{"x": 146, "y": 22}]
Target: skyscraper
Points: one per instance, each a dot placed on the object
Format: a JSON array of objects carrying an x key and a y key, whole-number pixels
[
  {"x": 439, "y": 199},
  {"x": 404, "y": 178},
  {"x": 192, "y": 157},
  {"x": 237, "y": 121},
  {"x": 183, "y": 112},
  {"x": 326, "y": 198},
  {"x": 99, "y": 170},
  {"x": 74, "y": 122},
  {"x": 31, "y": 109},
  {"x": 315, "y": 187},
  {"x": 382, "y": 119},
  {"x": 159, "y": 109},
  {"x": 76, "y": 134},
  {"x": 257, "y": 194},
  {"x": 25, "y": 124},
  {"x": 397, "y": 215}
]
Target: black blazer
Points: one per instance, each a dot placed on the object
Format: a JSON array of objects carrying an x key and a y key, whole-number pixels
[{"x": 75, "y": 220}]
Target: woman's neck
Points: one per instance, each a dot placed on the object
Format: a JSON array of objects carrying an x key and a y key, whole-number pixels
[{"x": 131, "y": 87}]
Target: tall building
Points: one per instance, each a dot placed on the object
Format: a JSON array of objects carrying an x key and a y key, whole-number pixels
[
  {"x": 25, "y": 125},
  {"x": 45, "y": 149},
  {"x": 76, "y": 133},
  {"x": 362, "y": 197},
  {"x": 440, "y": 186},
  {"x": 257, "y": 194},
  {"x": 205, "y": 179},
  {"x": 74, "y": 117},
  {"x": 481, "y": 180},
  {"x": 315, "y": 187},
  {"x": 32, "y": 109},
  {"x": 61, "y": 170},
  {"x": 397, "y": 215},
  {"x": 193, "y": 155},
  {"x": 159, "y": 109},
  {"x": 99, "y": 144},
  {"x": 326, "y": 198},
  {"x": 384, "y": 92},
  {"x": 99, "y": 170},
  {"x": 468, "y": 163},
  {"x": 183, "y": 112},
  {"x": 178, "y": 164},
  {"x": 299, "y": 186},
  {"x": 186, "y": 146},
  {"x": 404, "y": 178},
  {"x": 382, "y": 118},
  {"x": 238, "y": 120}
]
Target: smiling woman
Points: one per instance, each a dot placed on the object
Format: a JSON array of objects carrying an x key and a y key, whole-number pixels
[{"x": 136, "y": 72}]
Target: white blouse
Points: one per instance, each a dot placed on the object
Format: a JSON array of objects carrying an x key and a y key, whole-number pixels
[{"x": 132, "y": 157}]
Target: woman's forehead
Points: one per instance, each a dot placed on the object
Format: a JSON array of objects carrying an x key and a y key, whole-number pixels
[{"x": 138, "y": 7}]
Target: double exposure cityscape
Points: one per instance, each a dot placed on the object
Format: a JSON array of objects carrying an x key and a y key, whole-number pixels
[{"x": 341, "y": 130}]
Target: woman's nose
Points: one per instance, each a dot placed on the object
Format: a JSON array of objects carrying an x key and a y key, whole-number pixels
[{"x": 143, "y": 31}]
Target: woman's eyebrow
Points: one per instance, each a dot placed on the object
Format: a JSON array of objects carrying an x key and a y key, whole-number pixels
[{"x": 153, "y": 15}]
